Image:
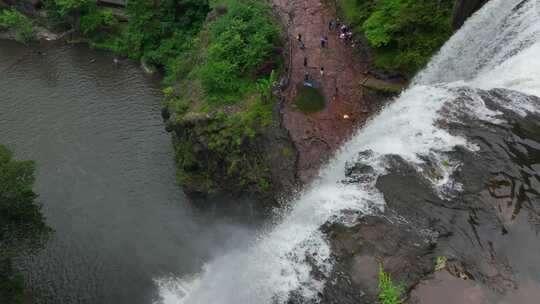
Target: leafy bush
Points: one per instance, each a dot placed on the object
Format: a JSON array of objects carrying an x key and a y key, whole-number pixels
[
  {"x": 389, "y": 292},
  {"x": 65, "y": 14},
  {"x": 18, "y": 22},
  {"x": 241, "y": 41},
  {"x": 404, "y": 34},
  {"x": 11, "y": 283},
  {"x": 159, "y": 33},
  {"x": 97, "y": 22},
  {"x": 73, "y": 7}
]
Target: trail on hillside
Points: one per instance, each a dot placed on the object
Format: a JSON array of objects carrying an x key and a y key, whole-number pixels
[{"x": 318, "y": 135}]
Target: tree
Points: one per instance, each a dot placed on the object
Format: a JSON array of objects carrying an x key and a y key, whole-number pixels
[
  {"x": 266, "y": 85},
  {"x": 22, "y": 225},
  {"x": 19, "y": 23}
]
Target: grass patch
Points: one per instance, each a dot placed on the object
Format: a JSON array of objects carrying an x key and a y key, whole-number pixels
[
  {"x": 310, "y": 100},
  {"x": 389, "y": 293}
]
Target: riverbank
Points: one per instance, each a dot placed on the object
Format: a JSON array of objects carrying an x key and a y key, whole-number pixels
[{"x": 105, "y": 175}]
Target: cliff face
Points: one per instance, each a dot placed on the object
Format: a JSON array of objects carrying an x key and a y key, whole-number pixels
[
  {"x": 213, "y": 160},
  {"x": 464, "y": 9}
]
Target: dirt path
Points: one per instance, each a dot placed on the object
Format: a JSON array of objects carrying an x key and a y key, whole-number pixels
[{"x": 318, "y": 135}]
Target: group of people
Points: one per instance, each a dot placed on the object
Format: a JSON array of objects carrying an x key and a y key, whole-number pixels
[
  {"x": 302, "y": 46},
  {"x": 345, "y": 35}
]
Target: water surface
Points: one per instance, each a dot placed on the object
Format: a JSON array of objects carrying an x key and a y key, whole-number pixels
[{"x": 105, "y": 176}]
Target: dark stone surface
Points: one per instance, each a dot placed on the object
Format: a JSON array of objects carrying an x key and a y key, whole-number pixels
[
  {"x": 468, "y": 228},
  {"x": 270, "y": 155},
  {"x": 464, "y": 9}
]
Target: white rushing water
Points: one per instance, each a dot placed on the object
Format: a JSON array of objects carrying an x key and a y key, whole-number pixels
[{"x": 497, "y": 48}]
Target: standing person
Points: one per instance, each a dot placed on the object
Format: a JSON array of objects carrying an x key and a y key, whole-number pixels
[
  {"x": 322, "y": 72},
  {"x": 301, "y": 44},
  {"x": 305, "y": 61},
  {"x": 324, "y": 41},
  {"x": 334, "y": 98},
  {"x": 306, "y": 76},
  {"x": 332, "y": 25},
  {"x": 344, "y": 29}
]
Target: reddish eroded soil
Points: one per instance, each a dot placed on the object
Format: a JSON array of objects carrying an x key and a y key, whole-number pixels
[{"x": 318, "y": 135}]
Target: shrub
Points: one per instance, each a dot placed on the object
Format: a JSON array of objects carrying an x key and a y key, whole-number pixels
[
  {"x": 241, "y": 41},
  {"x": 73, "y": 7},
  {"x": 389, "y": 292},
  {"x": 404, "y": 34},
  {"x": 97, "y": 21},
  {"x": 159, "y": 33},
  {"x": 18, "y": 22}
]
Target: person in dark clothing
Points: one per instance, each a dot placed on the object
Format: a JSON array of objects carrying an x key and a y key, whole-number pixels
[
  {"x": 332, "y": 25},
  {"x": 323, "y": 43},
  {"x": 305, "y": 61}
]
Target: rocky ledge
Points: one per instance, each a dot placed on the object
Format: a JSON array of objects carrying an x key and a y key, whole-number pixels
[
  {"x": 213, "y": 160},
  {"x": 462, "y": 242}
]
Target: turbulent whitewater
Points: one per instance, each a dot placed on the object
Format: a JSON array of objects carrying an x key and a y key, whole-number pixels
[{"x": 499, "y": 47}]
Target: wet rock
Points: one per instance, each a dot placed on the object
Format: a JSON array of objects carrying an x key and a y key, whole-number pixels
[
  {"x": 212, "y": 161},
  {"x": 471, "y": 229},
  {"x": 464, "y": 9}
]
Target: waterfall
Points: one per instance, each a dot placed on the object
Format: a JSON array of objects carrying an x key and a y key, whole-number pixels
[{"x": 499, "y": 47}]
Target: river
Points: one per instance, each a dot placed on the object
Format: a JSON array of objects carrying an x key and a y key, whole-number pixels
[{"x": 105, "y": 176}]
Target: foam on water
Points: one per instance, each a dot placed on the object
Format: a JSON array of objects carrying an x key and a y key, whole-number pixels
[{"x": 497, "y": 48}]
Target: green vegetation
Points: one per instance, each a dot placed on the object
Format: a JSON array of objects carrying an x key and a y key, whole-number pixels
[
  {"x": 228, "y": 71},
  {"x": 446, "y": 164},
  {"x": 240, "y": 42},
  {"x": 404, "y": 34},
  {"x": 65, "y": 14},
  {"x": 19, "y": 23},
  {"x": 22, "y": 226},
  {"x": 441, "y": 263},
  {"x": 389, "y": 292},
  {"x": 218, "y": 57},
  {"x": 309, "y": 100},
  {"x": 97, "y": 23},
  {"x": 158, "y": 31}
]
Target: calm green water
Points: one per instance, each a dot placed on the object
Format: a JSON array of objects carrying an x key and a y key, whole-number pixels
[{"x": 105, "y": 177}]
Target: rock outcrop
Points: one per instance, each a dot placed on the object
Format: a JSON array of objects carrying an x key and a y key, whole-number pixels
[
  {"x": 213, "y": 160},
  {"x": 470, "y": 229},
  {"x": 464, "y": 9}
]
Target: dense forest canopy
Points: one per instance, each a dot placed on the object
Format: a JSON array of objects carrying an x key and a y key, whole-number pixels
[{"x": 403, "y": 34}]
